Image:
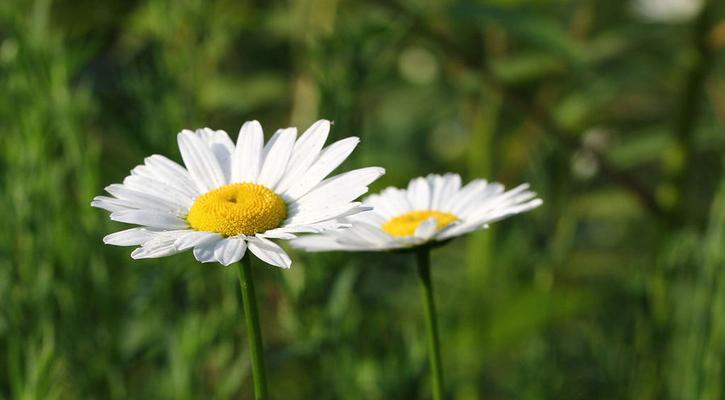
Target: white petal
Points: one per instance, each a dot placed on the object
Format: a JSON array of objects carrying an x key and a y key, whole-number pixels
[
  {"x": 469, "y": 192},
  {"x": 196, "y": 238},
  {"x": 419, "y": 194},
  {"x": 372, "y": 217},
  {"x": 330, "y": 158},
  {"x": 276, "y": 156},
  {"x": 277, "y": 234},
  {"x": 200, "y": 161},
  {"x": 157, "y": 247},
  {"x": 508, "y": 210},
  {"x": 310, "y": 228},
  {"x": 426, "y": 229},
  {"x": 394, "y": 200},
  {"x": 487, "y": 195},
  {"x": 151, "y": 219},
  {"x": 221, "y": 146},
  {"x": 159, "y": 189},
  {"x": 165, "y": 170},
  {"x": 460, "y": 229},
  {"x": 205, "y": 252},
  {"x": 306, "y": 150},
  {"x": 436, "y": 184},
  {"x": 129, "y": 237},
  {"x": 451, "y": 186},
  {"x": 229, "y": 251},
  {"x": 144, "y": 201},
  {"x": 341, "y": 188},
  {"x": 381, "y": 207},
  {"x": 306, "y": 217},
  {"x": 315, "y": 243},
  {"x": 269, "y": 252},
  {"x": 369, "y": 233},
  {"x": 248, "y": 153},
  {"x": 109, "y": 204}
]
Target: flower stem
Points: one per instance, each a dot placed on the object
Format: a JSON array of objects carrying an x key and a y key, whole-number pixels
[
  {"x": 254, "y": 334},
  {"x": 434, "y": 351}
]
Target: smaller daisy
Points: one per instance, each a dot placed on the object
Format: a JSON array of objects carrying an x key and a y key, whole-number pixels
[{"x": 432, "y": 210}]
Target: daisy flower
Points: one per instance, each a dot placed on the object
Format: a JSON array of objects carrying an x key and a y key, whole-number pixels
[
  {"x": 228, "y": 198},
  {"x": 432, "y": 209}
]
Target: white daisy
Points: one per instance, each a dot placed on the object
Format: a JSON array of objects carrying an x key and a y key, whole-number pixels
[
  {"x": 232, "y": 198},
  {"x": 432, "y": 209}
]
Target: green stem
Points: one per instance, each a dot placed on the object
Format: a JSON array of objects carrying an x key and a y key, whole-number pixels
[
  {"x": 254, "y": 334},
  {"x": 434, "y": 351}
]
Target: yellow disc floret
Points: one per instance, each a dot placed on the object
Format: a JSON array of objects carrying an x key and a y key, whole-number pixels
[
  {"x": 406, "y": 224},
  {"x": 237, "y": 209}
]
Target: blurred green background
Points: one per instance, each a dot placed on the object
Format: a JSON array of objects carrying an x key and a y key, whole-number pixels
[{"x": 614, "y": 112}]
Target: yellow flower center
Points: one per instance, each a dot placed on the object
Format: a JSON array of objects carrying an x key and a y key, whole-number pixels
[
  {"x": 238, "y": 208},
  {"x": 406, "y": 224}
]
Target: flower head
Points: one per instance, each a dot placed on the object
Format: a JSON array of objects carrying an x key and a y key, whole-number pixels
[
  {"x": 229, "y": 198},
  {"x": 432, "y": 209}
]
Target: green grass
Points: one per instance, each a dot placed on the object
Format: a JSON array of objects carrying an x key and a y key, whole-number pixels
[{"x": 613, "y": 289}]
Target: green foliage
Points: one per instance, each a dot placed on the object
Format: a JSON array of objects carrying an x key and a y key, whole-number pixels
[{"x": 613, "y": 289}]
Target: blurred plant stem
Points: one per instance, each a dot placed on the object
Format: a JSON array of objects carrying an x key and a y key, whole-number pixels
[
  {"x": 434, "y": 351},
  {"x": 679, "y": 166},
  {"x": 254, "y": 333},
  {"x": 711, "y": 297},
  {"x": 484, "y": 120}
]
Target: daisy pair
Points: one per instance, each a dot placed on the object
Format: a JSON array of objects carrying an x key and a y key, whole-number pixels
[{"x": 229, "y": 198}]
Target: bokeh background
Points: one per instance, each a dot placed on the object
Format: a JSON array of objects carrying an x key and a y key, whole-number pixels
[{"x": 614, "y": 111}]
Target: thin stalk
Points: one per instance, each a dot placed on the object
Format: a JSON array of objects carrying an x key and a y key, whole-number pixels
[
  {"x": 254, "y": 334},
  {"x": 434, "y": 351}
]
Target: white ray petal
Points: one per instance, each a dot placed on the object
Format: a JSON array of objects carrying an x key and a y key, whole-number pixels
[
  {"x": 110, "y": 204},
  {"x": 419, "y": 194},
  {"x": 204, "y": 253},
  {"x": 487, "y": 195},
  {"x": 466, "y": 194},
  {"x": 161, "y": 246},
  {"x": 315, "y": 243},
  {"x": 143, "y": 200},
  {"x": 370, "y": 233},
  {"x": 247, "y": 157},
  {"x": 277, "y": 234},
  {"x": 341, "y": 188},
  {"x": 129, "y": 237},
  {"x": 200, "y": 161},
  {"x": 305, "y": 152},
  {"x": 230, "y": 250},
  {"x": 221, "y": 146},
  {"x": 394, "y": 200},
  {"x": 196, "y": 238},
  {"x": 269, "y": 252},
  {"x": 159, "y": 189},
  {"x": 306, "y": 217},
  {"x": 426, "y": 229},
  {"x": 168, "y": 171},
  {"x": 436, "y": 185},
  {"x": 451, "y": 186},
  {"x": 276, "y": 156},
  {"x": 330, "y": 158},
  {"x": 149, "y": 218}
]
